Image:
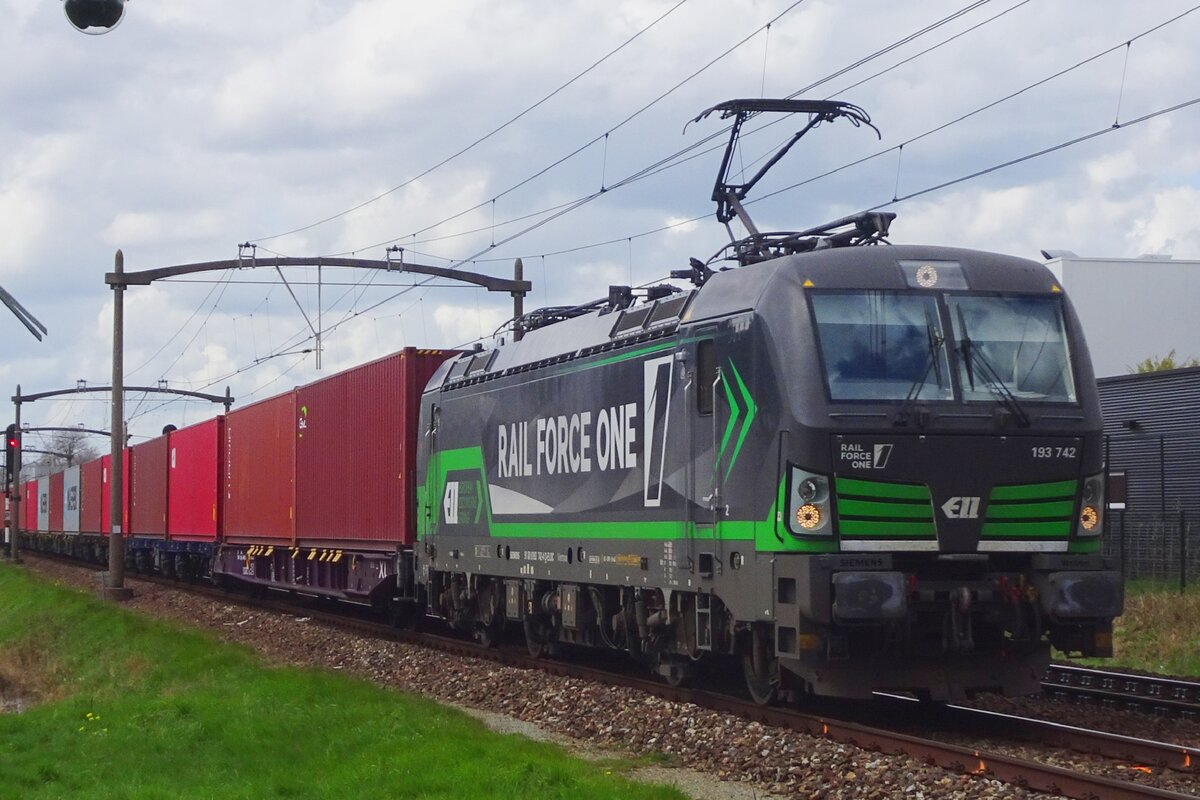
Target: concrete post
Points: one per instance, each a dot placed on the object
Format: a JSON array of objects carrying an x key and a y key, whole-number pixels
[
  {"x": 114, "y": 581},
  {"x": 518, "y": 301}
]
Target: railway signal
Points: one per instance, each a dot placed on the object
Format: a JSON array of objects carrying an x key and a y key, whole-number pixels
[
  {"x": 12, "y": 442},
  {"x": 102, "y": 15}
]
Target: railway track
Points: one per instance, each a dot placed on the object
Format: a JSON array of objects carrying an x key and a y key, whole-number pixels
[
  {"x": 1116, "y": 689},
  {"x": 901, "y": 732}
]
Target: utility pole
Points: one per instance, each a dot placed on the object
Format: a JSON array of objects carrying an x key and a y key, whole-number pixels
[{"x": 114, "y": 580}]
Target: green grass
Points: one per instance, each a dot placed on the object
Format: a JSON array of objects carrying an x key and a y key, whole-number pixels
[
  {"x": 1159, "y": 631},
  {"x": 136, "y": 708}
]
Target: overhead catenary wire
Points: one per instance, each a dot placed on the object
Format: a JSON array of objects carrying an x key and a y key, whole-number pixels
[
  {"x": 1045, "y": 151},
  {"x": 581, "y": 148},
  {"x": 678, "y": 158},
  {"x": 869, "y": 157},
  {"x": 487, "y": 135},
  {"x": 911, "y": 195},
  {"x": 566, "y": 208}
]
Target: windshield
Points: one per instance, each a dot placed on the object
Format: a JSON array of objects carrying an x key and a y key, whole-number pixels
[
  {"x": 882, "y": 346},
  {"x": 1021, "y": 342}
]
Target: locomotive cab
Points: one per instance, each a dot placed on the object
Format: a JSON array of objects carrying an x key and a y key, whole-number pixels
[{"x": 941, "y": 460}]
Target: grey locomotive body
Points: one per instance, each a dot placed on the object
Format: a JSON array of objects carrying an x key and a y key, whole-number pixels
[{"x": 851, "y": 469}]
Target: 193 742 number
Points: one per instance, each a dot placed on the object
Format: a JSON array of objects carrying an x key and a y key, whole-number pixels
[{"x": 1053, "y": 452}]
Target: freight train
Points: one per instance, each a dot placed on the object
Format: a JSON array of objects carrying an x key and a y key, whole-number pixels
[{"x": 838, "y": 465}]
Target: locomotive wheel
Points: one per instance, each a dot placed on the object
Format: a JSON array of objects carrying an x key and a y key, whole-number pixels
[
  {"x": 535, "y": 638},
  {"x": 490, "y": 634},
  {"x": 761, "y": 669}
]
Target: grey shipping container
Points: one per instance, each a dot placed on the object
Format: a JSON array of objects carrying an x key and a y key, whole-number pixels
[
  {"x": 70, "y": 500},
  {"x": 43, "y": 513}
]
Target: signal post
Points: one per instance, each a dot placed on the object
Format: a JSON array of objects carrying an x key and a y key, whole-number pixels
[{"x": 12, "y": 448}]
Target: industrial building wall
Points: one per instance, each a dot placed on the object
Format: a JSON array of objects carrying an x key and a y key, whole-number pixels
[
  {"x": 1153, "y": 426},
  {"x": 1133, "y": 308}
]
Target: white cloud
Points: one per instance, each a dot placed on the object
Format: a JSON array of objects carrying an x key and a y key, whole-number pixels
[
  {"x": 1172, "y": 224},
  {"x": 460, "y": 324}
]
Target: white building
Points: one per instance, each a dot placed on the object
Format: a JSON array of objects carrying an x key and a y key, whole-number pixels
[{"x": 1132, "y": 308}]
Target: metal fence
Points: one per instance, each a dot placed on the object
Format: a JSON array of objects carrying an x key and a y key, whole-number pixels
[
  {"x": 1154, "y": 547},
  {"x": 1152, "y": 450},
  {"x": 1153, "y": 524}
]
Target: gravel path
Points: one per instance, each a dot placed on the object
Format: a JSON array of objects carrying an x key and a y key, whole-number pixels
[{"x": 765, "y": 761}]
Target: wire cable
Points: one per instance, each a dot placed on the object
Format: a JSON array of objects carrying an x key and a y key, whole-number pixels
[
  {"x": 677, "y": 158},
  {"x": 863, "y": 159},
  {"x": 600, "y": 137},
  {"x": 483, "y": 138}
]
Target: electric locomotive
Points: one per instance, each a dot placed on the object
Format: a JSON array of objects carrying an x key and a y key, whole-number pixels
[{"x": 851, "y": 466}]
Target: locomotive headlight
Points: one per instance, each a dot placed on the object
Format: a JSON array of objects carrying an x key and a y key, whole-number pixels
[
  {"x": 809, "y": 517},
  {"x": 808, "y": 504},
  {"x": 1091, "y": 512},
  {"x": 1089, "y": 518}
]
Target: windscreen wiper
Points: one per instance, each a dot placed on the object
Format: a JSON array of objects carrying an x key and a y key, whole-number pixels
[
  {"x": 974, "y": 357},
  {"x": 935, "y": 340}
]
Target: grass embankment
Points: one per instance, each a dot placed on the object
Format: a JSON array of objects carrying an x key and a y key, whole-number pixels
[
  {"x": 1159, "y": 631},
  {"x": 133, "y": 708}
]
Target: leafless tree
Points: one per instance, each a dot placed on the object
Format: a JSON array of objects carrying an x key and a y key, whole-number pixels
[{"x": 67, "y": 449}]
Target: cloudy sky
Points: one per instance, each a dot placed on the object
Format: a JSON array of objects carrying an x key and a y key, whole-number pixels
[{"x": 313, "y": 127}]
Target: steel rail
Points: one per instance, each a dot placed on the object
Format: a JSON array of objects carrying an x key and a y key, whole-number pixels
[
  {"x": 1169, "y": 695},
  {"x": 1146, "y": 752}
]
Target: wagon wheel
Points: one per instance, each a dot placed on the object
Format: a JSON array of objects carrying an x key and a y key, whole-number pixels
[{"x": 761, "y": 669}]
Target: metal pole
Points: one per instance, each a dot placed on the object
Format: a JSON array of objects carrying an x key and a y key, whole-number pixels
[
  {"x": 1104, "y": 515},
  {"x": 15, "y": 524},
  {"x": 228, "y": 400},
  {"x": 1162, "y": 502},
  {"x": 319, "y": 328},
  {"x": 1162, "y": 478},
  {"x": 1182, "y": 551},
  {"x": 1124, "y": 571},
  {"x": 518, "y": 301},
  {"x": 114, "y": 582}
]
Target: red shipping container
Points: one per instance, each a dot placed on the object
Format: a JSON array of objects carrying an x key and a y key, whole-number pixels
[
  {"x": 148, "y": 489},
  {"x": 194, "y": 481},
  {"x": 29, "y": 506},
  {"x": 90, "y": 480},
  {"x": 354, "y": 455},
  {"x": 56, "y": 502},
  {"x": 259, "y": 479},
  {"x": 106, "y": 492}
]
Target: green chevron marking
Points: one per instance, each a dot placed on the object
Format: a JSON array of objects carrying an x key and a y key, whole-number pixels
[
  {"x": 735, "y": 411},
  {"x": 751, "y": 412}
]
